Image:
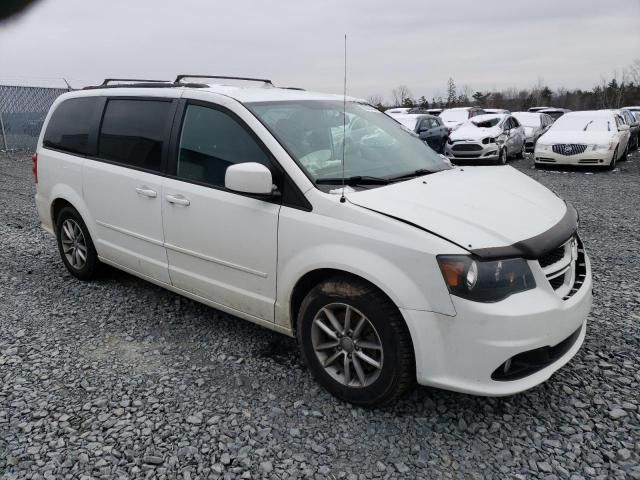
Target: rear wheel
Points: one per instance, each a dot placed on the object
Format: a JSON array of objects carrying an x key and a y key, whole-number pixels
[
  {"x": 355, "y": 342},
  {"x": 521, "y": 153},
  {"x": 442, "y": 145},
  {"x": 75, "y": 245}
]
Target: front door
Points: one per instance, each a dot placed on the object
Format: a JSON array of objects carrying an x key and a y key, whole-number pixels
[{"x": 221, "y": 245}]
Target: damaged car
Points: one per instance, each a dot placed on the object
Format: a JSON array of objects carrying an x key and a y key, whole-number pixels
[{"x": 487, "y": 138}]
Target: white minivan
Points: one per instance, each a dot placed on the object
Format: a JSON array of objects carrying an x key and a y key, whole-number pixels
[{"x": 323, "y": 220}]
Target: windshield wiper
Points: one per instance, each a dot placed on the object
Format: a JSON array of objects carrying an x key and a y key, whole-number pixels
[
  {"x": 415, "y": 173},
  {"x": 353, "y": 181}
]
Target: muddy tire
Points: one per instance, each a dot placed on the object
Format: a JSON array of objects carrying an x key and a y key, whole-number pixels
[{"x": 355, "y": 342}]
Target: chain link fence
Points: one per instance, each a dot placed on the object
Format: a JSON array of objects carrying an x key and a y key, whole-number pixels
[{"x": 22, "y": 112}]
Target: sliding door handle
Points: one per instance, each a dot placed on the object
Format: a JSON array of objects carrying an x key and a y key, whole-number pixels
[{"x": 145, "y": 191}]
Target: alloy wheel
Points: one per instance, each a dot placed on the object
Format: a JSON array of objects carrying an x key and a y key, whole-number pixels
[
  {"x": 347, "y": 345},
  {"x": 74, "y": 244}
]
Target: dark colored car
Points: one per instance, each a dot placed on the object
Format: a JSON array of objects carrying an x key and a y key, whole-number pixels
[{"x": 430, "y": 129}]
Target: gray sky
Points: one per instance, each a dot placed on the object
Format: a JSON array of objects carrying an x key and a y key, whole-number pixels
[{"x": 485, "y": 44}]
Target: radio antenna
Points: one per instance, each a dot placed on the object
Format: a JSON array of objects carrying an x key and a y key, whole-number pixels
[{"x": 344, "y": 115}]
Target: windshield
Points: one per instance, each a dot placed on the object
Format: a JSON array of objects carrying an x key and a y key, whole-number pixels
[
  {"x": 485, "y": 122},
  {"x": 376, "y": 145},
  {"x": 528, "y": 119},
  {"x": 584, "y": 123},
  {"x": 455, "y": 115}
]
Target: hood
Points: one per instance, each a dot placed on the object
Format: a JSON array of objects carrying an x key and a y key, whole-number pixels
[
  {"x": 474, "y": 207},
  {"x": 561, "y": 136},
  {"x": 471, "y": 132}
]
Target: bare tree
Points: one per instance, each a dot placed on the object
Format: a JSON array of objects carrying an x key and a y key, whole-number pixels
[
  {"x": 400, "y": 95},
  {"x": 375, "y": 100}
]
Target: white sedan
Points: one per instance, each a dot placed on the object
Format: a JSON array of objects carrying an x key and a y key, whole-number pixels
[{"x": 584, "y": 138}]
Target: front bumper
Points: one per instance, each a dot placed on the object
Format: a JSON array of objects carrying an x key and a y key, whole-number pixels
[
  {"x": 480, "y": 152},
  {"x": 461, "y": 353},
  {"x": 589, "y": 157}
]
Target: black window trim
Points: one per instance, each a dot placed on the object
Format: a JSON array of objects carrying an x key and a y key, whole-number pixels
[{"x": 280, "y": 176}]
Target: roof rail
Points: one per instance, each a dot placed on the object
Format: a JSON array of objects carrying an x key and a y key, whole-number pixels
[
  {"x": 248, "y": 79},
  {"x": 294, "y": 88},
  {"x": 137, "y": 80}
]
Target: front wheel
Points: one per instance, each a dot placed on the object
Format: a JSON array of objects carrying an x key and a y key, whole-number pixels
[
  {"x": 75, "y": 245},
  {"x": 614, "y": 158},
  {"x": 355, "y": 342},
  {"x": 502, "y": 158},
  {"x": 625, "y": 155}
]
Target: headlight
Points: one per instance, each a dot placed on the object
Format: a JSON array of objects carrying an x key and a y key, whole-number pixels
[
  {"x": 542, "y": 147},
  {"x": 485, "y": 281},
  {"x": 603, "y": 146},
  {"x": 488, "y": 140}
]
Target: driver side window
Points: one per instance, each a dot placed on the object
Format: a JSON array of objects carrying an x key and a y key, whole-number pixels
[{"x": 210, "y": 142}]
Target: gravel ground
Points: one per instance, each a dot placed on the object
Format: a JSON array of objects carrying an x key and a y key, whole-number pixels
[{"x": 121, "y": 379}]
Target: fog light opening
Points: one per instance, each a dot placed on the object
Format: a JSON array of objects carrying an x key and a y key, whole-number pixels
[{"x": 507, "y": 366}]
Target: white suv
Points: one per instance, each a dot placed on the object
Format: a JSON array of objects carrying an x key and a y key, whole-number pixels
[{"x": 470, "y": 279}]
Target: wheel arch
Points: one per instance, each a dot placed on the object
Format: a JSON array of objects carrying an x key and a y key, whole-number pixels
[
  {"x": 312, "y": 278},
  {"x": 64, "y": 196}
]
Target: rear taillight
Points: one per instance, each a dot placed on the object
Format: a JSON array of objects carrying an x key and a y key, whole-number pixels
[{"x": 34, "y": 167}]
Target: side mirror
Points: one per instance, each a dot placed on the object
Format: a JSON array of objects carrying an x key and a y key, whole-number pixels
[
  {"x": 623, "y": 128},
  {"x": 249, "y": 177}
]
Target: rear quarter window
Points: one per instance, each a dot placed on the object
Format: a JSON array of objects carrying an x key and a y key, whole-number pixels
[{"x": 71, "y": 125}]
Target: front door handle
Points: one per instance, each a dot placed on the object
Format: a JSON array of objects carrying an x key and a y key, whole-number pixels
[
  {"x": 178, "y": 200},
  {"x": 146, "y": 191}
]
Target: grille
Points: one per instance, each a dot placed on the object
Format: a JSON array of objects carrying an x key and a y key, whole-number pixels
[
  {"x": 565, "y": 267},
  {"x": 569, "y": 148},
  {"x": 466, "y": 147},
  {"x": 552, "y": 257}
]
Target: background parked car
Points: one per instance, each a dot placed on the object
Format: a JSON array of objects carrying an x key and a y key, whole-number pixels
[
  {"x": 595, "y": 137},
  {"x": 487, "y": 138},
  {"x": 495, "y": 110},
  {"x": 434, "y": 111},
  {"x": 634, "y": 127},
  {"x": 397, "y": 111},
  {"x": 537, "y": 109},
  {"x": 429, "y": 128},
  {"x": 454, "y": 117},
  {"x": 534, "y": 124},
  {"x": 554, "y": 113}
]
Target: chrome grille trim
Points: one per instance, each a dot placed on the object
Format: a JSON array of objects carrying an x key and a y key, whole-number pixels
[
  {"x": 565, "y": 273},
  {"x": 568, "y": 149}
]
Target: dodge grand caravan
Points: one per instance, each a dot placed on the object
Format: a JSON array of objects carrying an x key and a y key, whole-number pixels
[{"x": 320, "y": 220}]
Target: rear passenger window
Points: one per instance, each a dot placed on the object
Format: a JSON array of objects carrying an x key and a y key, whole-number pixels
[
  {"x": 71, "y": 125},
  {"x": 211, "y": 141},
  {"x": 133, "y": 132}
]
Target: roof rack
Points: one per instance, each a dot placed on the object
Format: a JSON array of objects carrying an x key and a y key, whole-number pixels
[
  {"x": 136, "y": 80},
  {"x": 248, "y": 79}
]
